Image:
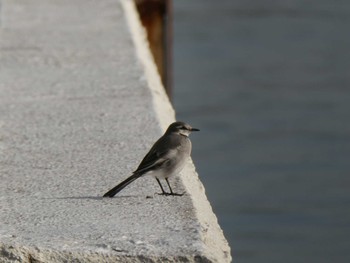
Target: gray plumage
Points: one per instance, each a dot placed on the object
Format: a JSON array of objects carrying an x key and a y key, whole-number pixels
[{"x": 166, "y": 158}]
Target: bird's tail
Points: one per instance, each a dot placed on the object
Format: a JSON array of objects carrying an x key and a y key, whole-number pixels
[{"x": 123, "y": 184}]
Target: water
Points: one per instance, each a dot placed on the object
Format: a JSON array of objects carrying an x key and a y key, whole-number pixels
[{"x": 267, "y": 82}]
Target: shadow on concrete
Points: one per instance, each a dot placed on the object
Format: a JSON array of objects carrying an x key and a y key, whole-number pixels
[{"x": 97, "y": 197}]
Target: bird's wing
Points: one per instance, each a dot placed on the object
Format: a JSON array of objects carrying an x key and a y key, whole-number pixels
[{"x": 161, "y": 152}]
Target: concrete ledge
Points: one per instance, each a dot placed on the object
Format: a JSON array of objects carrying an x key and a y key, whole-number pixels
[{"x": 78, "y": 110}]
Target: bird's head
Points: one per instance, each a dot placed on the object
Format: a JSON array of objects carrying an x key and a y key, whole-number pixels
[{"x": 181, "y": 128}]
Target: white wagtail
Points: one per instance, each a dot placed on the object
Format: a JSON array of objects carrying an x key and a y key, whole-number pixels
[{"x": 166, "y": 158}]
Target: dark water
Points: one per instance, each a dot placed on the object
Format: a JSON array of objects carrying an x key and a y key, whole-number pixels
[{"x": 268, "y": 83}]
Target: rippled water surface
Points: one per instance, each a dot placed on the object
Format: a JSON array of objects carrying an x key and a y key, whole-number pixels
[{"x": 268, "y": 84}]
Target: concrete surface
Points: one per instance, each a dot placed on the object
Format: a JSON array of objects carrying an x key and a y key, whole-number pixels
[{"x": 80, "y": 104}]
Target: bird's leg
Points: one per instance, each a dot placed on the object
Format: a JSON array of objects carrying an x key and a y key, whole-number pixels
[
  {"x": 161, "y": 187},
  {"x": 171, "y": 190}
]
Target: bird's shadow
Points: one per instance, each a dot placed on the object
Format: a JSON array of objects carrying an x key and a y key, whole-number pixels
[{"x": 97, "y": 198}]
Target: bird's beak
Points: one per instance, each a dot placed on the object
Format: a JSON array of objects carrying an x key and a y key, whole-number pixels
[{"x": 194, "y": 129}]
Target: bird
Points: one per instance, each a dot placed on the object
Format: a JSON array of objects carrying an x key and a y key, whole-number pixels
[{"x": 166, "y": 158}]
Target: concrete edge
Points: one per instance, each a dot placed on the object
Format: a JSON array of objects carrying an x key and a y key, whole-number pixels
[
  {"x": 32, "y": 254},
  {"x": 161, "y": 102},
  {"x": 215, "y": 246}
]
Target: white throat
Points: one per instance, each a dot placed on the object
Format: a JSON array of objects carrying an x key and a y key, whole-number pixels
[{"x": 184, "y": 133}]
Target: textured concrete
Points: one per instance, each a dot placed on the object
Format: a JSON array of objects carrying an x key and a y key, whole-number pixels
[{"x": 80, "y": 104}]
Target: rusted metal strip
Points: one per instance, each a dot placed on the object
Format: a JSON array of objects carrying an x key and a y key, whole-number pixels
[{"x": 156, "y": 17}]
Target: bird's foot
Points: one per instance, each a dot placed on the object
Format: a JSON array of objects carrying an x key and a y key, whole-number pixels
[
  {"x": 177, "y": 194},
  {"x": 164, "y": 193},
  {"x": 173, "y": 194}
]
